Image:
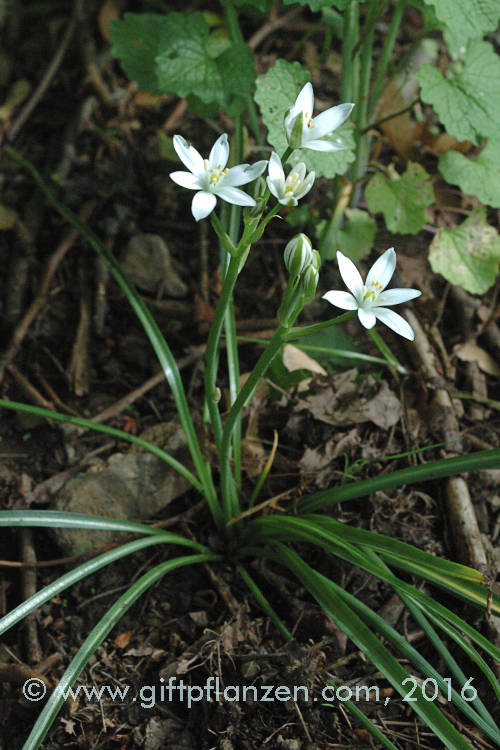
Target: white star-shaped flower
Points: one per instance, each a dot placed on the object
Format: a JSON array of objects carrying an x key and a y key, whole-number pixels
[
  {"x": 304, "y": 131},
  {"x": 369, "y": 298},
  {"x": 211, "y": 178},
  {"x": 290, "y": 190}
]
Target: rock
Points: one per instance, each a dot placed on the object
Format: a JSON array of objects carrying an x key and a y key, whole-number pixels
[
  {"x": 134, "y": 485},
  {"x": 146, "y": 261}
]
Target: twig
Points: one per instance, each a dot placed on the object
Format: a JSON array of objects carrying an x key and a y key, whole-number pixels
[
  {"x": 79, "y": 366},
  {"x": 38, "y": 303},
  {"x": 33, "y": 648},
  {"x": 49, "y": 74},
  {"x": 274, "y": 22}
]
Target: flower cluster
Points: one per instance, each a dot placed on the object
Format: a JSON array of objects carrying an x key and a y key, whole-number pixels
[{"x": 212, "y": 179}]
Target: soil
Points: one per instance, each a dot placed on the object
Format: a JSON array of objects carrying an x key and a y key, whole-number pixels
[{"x": 97, "y": 135}]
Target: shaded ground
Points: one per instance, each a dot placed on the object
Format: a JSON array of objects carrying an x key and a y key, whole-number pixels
[{"x": 84, "y": 350}]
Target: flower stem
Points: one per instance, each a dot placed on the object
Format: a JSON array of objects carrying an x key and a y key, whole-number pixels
[
  {"x": 244, "y": 396},
  {"x": 293, "y": 334},
  {"x": 385, "y": 56}
]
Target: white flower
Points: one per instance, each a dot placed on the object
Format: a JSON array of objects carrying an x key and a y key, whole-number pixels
[
  {"x": 304, "y": 131},
  {"x": 369, "y": 299},
  {"x": 211, "y": 177},
  {"x": 289, "y": 191}
]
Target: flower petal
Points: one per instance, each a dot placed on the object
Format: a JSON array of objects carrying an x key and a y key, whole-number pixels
[
  {"x": 396, "y": 296},
  {"x": 366, "y": 318},
  {"x": 395, "y": 322},
  {"x": 323, "y": 146},
  {"x": 350, "y": 276},
  {"x": 235, "y": 176},
  {"x": 188, "y": 155},
  {"x": 219, "y": 153},
  {"x": 330, "y": 120},
  {"x": 305, "y": 101},
  {"x": 276, "y": 188},
  {"x": 252, "y": 171},
  {"x": 344, "y": 300},
  {"x": 203, "y": 204},
  {"x": 185, "y": 179},
  {"x": 275, "y": 169},
  {"x": 306, "y": 186},
  {"x": 382, "y": 270},
  {"x": 299, "y": 170},
  {"x": 233, "y": 195}
]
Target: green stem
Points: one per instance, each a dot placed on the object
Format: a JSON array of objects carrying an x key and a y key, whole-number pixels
[
  {"x": 160, "y": 346},
  {"x": 384, "y": 349},
  {"x": 244, "y": 396},
  {"x": 211, "y": 356},
  {"x": 329, "y": 235},
  {"x": 264, "y": 603},
  {"x": 293, "y": 334},
  {"x": 350, "y": 63},
  {"x": 385, "y": 56}
]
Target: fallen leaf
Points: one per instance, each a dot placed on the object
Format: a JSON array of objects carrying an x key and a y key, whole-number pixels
[
  {"x": 123, "y": 639},
  {"x": 473, "y": 353}
]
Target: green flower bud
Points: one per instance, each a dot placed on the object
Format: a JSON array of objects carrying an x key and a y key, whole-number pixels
[
  {"x": 293, "y": 129},
  {"x": 309, "y": 284},
  {"x": 298, "y": 254}
]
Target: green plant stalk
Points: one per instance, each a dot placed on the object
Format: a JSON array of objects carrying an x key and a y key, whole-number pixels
[
  {"x": 112, "y": 431},
  {"x": 444, "y": 467},
  {"x": 97, "y": 636},
  {"x": 212, "y": 350},
  {"x": 160, "y": 346},
  {"x": 294, "y": 334},
  {"x": 264, "y": 603},
  {"x": 384, "y": 349},
  {"x": 385, "y": 56},
  {"x": 244, "y": 396},
  {"x": 350, "y": 63},
  {"x": 361, "y": 110},
  {"x": 330, "y": 231}
]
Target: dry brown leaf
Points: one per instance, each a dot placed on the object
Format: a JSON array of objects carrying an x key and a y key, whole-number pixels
[
  {"x": 473, "y": 353},
  {"x": 295, "y": 359},
  {"x": 123, "y": 639}
]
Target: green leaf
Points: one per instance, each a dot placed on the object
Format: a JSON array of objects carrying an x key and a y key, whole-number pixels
[
  {"x": 466, "y": 19},
  {"x": 190, "y": 65},
  {"x": 468, "y": 99},
  {"x": 468, "y": 255},
  {"x": 477, "y": 176},
  {"x": 276, "y": 91},
  {"x": 355, "y": 238},
  {"x": 315, "y": 5},
  {"x": 136, "y": 41},
  {"x": 401, "y": 198}
]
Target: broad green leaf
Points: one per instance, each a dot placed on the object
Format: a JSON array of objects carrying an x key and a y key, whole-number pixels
[
  {"x": 276, "y": 91},
  {"x": 401, "y": 198},
  {"x": 466, "y": 19},
  {"x": 136, "y": 41},
  {"x": 468, "y": 255},
  {"x": 189, "y": 64},
  {"x": 355, "y": 238},
  {"x": 477, "y": 176},
  {"x": 467, "y": 100}
]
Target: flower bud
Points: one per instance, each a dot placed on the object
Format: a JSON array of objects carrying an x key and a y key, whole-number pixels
[
  {"x": 293, "y": 128},
  {"x": 309, "y": 284},
  {"x": 298, "y": 254}
]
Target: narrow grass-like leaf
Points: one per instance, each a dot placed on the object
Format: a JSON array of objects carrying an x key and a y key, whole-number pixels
[
  {"x": 264, "y": 603},
  {"x": 369, "y": 725},
  {"x": 444, "y": 467},
  {"x": 355, "y": 629},
  {"x": 96, "y": 637},
  {"x": 112, "y": 431},
  {"x": 62, "y": 519},
  {"x": 86, "y": 569},
  {"x": 484, "y": 722}
]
